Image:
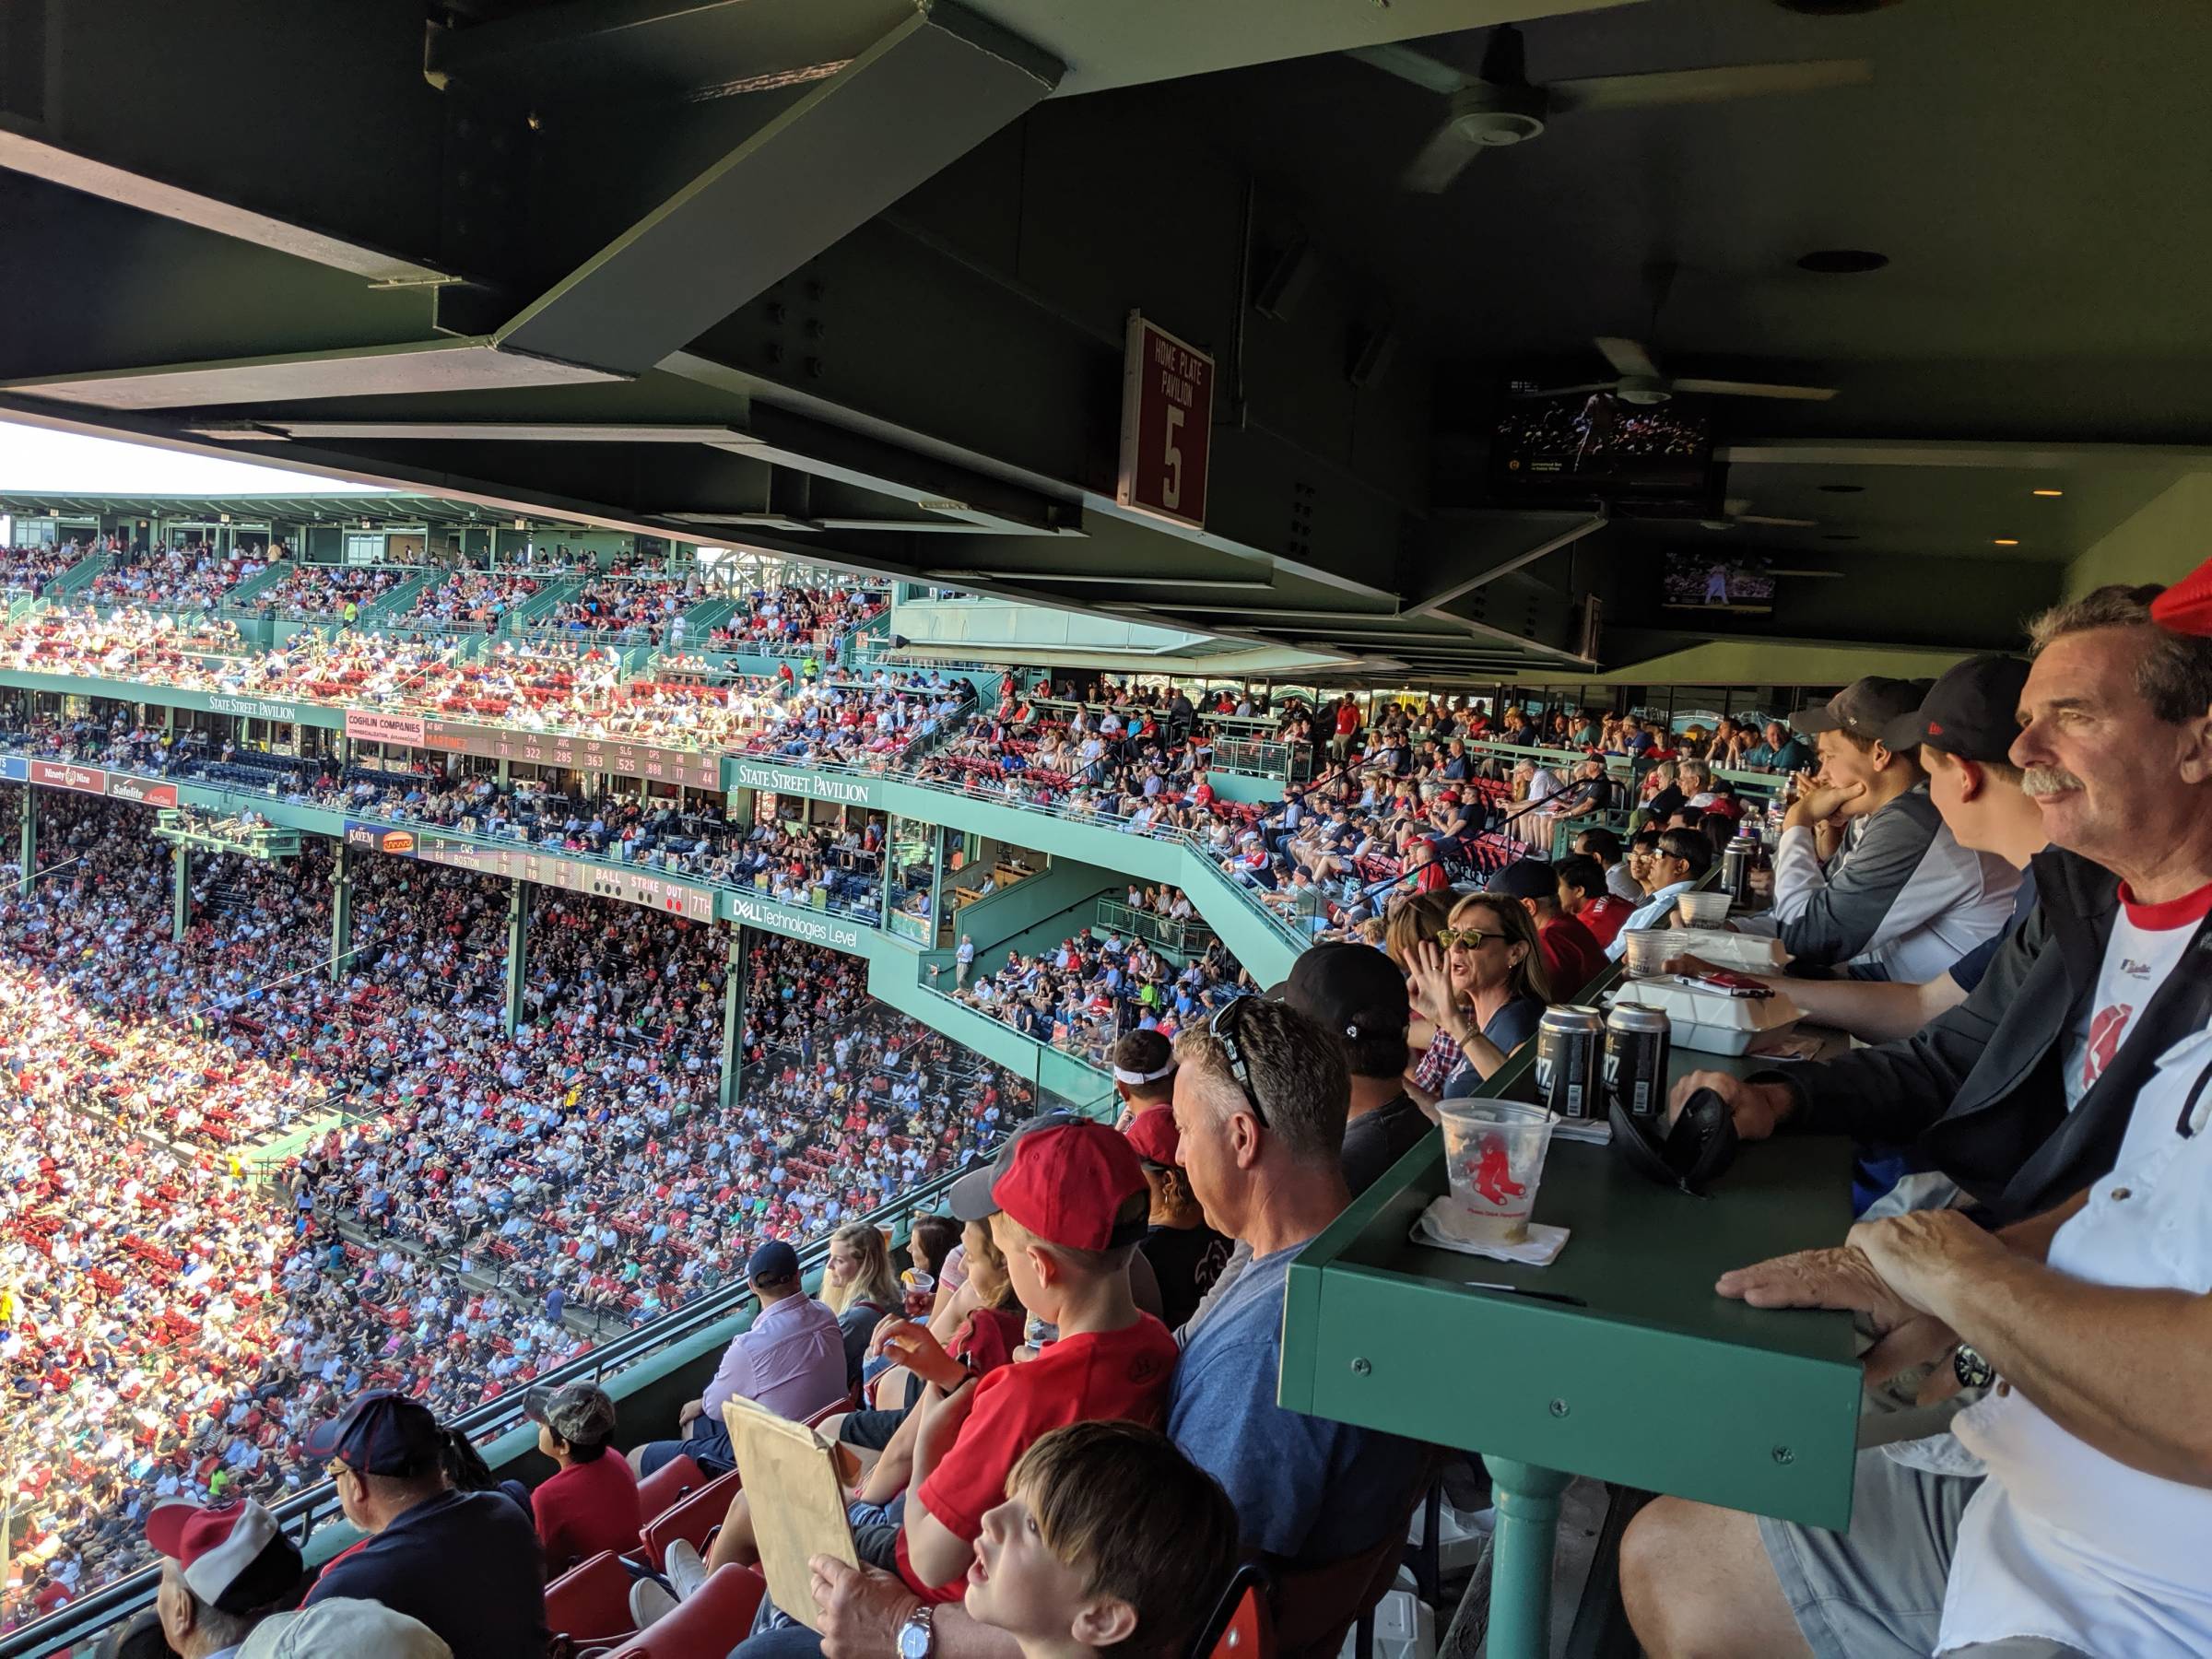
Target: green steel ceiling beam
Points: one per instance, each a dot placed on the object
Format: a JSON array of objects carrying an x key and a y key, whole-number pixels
[{"x": 922, "y": 96}]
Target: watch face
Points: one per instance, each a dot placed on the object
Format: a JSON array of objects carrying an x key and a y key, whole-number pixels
[{"x": 914, "y": 1639}]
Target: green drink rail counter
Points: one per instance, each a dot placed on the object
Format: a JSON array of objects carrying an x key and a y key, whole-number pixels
[{"x": 1656, "y": 1383}]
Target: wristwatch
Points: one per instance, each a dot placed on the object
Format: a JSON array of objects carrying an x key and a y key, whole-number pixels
[
  {"x": 1971, "y": 1368},
  {"x": 917, "y": 1636}
]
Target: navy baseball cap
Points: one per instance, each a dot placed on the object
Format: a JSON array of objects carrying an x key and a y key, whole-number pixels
[
  {"x": 1524, "y": 878},
  {"x": 381, "y": 1433},
  {"x": 1973, "y": 711},
  {"x": 773, "y": 1263}
]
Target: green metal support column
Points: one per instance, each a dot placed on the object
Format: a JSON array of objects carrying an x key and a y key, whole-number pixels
[
  {"x": 1521, "y": 1556},
  {"x": 518, "y": 940},
  {"x": 732, "y": 1017},
  {"x": 31, "y": 842},
  {"x": 341, "y": 911},
  {"x": 182, "y": 916}
]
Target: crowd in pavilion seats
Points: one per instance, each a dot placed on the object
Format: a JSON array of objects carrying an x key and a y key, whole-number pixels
[
  {"x": 28, "y": 570},
  {"x": 1085, "y": 994},
  {"x": 187, "y": 577},
  {"x": 465, "y": 596},
  {"x": 632, "y": 607},
  {"x": 326, "y": 593},
  {"x": 799, "y": 621}
]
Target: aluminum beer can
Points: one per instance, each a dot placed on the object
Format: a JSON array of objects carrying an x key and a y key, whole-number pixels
[
  {"x": 1567, "y": 1040},
  {"x": 1636, "y": 1045}
]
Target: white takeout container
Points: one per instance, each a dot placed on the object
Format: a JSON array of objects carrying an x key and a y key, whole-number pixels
[
  {"x": 1712, "y": 1021},
  {"x": 1746, "y": 953}
]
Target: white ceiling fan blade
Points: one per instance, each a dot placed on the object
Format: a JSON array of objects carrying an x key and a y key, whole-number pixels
[
  {"x": 1727, "y": 388},
  {"x": 1441, "y": 160},
  {"x": 1410, "y": 65},
  {"x": 1706, "y": 86},
  {"x": 1628, "y": 357},
  {"x": 1567, "y": 391}
]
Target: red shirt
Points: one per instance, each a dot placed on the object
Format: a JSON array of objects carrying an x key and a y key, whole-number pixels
[
  {"x": 1573, "y": 954},
  {"x": 1605, "y": 917},
  {"x": 1096, "y": 1377},
  {"x": 586, "y": 1508}
]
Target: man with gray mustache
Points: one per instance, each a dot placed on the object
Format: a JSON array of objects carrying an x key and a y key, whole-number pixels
[{"x": 2021, "y": 1094}]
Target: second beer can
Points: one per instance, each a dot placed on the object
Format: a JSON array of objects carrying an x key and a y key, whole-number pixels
[
  {"x": 1636, "y": 1045},
  {"x": 1568, "y": 1041}
]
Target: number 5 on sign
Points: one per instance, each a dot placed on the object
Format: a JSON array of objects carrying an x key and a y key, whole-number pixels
[
  {"x": 1167, "y": 424},
  {"x": 1171, "y": 491}
]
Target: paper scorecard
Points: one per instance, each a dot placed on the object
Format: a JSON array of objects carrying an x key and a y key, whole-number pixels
[{"x": 790, "y": 1477}]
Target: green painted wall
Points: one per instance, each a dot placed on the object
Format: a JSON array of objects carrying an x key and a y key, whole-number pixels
[{"x": 2163, "y": 541}]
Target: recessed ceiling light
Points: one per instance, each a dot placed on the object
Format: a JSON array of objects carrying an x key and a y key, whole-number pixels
[
  {"x": 2047, "y": 492},
  {"x": 1843, "y": 262},
  {"x": 1843, "y": 489},
  {"x": 2005, "y": 541}
]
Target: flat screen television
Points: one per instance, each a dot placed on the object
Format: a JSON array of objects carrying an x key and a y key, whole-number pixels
[
  {"x": 1695, "y": 580},
  {"x": 1591, "y": 446}
]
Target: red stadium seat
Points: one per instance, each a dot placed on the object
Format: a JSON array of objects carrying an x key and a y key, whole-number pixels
[
  {"x": 692, "y": 1518},
  {"x": 659, "y": 1491},
  {"x": 591, "y": 1601},
  {"x": 1239, "y": 1627},
  {"x": 715, "y": 1619}
]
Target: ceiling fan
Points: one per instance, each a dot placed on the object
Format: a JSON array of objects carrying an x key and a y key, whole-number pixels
[
  {"x": 1499, "y": 106},
  {"x": 1639, "y": 380}
]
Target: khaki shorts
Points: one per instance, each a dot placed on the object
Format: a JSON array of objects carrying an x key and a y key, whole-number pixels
[{"x": 1877, "y": 1591}]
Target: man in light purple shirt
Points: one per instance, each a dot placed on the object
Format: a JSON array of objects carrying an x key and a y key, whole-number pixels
[{"x": 791, "y": 1359}]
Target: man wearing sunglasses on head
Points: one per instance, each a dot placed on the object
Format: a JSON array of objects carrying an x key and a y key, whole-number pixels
[{"x": 1674, "y": 868}]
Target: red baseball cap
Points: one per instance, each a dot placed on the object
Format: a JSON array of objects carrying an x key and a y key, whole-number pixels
[
  {"x": 1067, "y": 1178},
  {"x": 235, "y": 1558},
  {"x": 1152, "y": 1136},
  {"x": 2187, "y": 607}
]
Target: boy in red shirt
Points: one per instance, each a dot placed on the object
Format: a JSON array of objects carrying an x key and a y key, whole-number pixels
[{"x": 1066, "y": 1203}]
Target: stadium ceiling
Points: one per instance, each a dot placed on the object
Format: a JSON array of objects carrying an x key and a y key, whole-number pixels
[{"x": 847, "y": 279}]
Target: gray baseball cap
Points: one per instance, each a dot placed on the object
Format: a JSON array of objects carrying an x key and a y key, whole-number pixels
[{"x": 1865, "y": 708}]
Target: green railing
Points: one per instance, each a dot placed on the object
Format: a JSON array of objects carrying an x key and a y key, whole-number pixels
[{"x": 1189, "y": 937}]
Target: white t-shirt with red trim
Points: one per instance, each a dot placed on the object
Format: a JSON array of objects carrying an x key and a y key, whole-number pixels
[{"x": 2148, "y": 940}]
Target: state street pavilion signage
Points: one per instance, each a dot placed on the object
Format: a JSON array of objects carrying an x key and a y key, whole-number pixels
[
  {"x": 693, "y": 768},
  {"x": 257, "y": 708},
  {"x": 805, "y": 926},
  {"x": 570, "y": 875},
  {"x": 815, "y": 785}
]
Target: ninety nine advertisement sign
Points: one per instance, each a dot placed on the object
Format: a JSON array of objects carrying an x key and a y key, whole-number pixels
[
  {"x": 572, "y": 875},
  {"x": 1167, "y": 424},
  {"x": 85, "y": 779},
  {"x": 794, "y": 923},
  {"x": 820, "y": 786}
]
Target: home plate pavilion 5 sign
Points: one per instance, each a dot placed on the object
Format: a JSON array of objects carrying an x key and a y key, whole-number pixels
[{"x": 1167, "y": 424}]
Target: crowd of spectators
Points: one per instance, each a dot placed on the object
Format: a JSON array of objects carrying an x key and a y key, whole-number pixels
[
  {"x": 631, "y": 607},
  {"x": 794, "y": 621},
  {"x": 1085, "y": 994},
  {"x": 321, "y": 593},
  {"x": 28, "y": 570},
  {"x": 469, "y": 597},
  {"x": 187, "y": 577}
]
